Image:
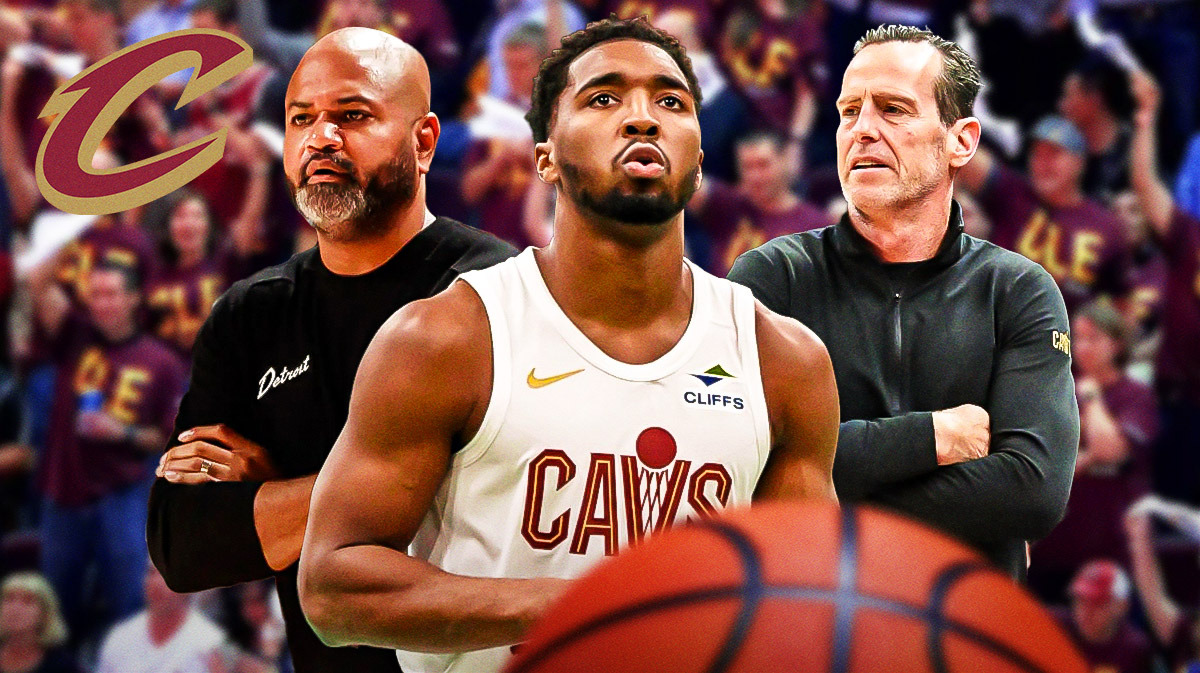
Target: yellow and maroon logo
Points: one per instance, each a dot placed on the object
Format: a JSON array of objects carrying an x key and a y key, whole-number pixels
[{"x": 88, "y": 106}]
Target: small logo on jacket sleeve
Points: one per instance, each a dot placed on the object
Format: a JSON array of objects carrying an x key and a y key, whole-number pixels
[{"x": 1061, "y": 341}]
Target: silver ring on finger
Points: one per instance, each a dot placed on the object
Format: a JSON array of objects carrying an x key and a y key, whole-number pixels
[{"x": 205, "y": 466}]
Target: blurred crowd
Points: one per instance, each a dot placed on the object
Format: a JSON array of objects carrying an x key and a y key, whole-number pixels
[{"x": 1090, "y": 166}]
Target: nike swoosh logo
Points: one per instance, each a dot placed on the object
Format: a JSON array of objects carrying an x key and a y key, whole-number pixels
[{"x": 535, "y": 382}]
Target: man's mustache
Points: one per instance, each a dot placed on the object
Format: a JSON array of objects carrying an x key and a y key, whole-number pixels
[{"x": 344, "y": 164}]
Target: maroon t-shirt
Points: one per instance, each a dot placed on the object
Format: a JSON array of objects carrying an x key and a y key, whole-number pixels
[
  {"x": 501, "y": 209},
  {"x": 1147, "y": 284},
  {"x": 180, "y": 299},
  {"x": 1128, "y": 652},
  {"x": 1179, "y": 354},
  {"x": 768, "y": 66},
  {"x": 1092, "y": 526},
  {"x": 735, "y": 225},
  {"x": 425, "y": 25},
  {"x": 699, "y": 13},
  {"x": 107, "y": 241},
  {"x": 1083, "y": 246},
  {"x": 141, "y": 381}
]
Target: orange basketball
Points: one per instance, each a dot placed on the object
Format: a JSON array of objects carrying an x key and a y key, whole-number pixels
[{"x": 798, "y": 587}]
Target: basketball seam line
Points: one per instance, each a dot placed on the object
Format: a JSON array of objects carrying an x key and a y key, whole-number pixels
[
  {"x": 779, "y": 591},
  {"x": 752, "y": 593}
]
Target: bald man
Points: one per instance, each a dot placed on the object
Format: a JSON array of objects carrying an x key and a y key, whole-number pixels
[{"x": 274, "y": 364}]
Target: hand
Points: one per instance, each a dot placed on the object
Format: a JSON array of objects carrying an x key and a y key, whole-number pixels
[
  {"x": 100, "y": 426},
  {"x": 961, "y": 434},
  {"x": 233, "y": 457}
]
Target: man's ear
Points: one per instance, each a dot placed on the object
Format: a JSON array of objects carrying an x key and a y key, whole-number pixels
[
  {"x": 544, "y": 162},
  {"x": 700, "y": 171},
  {"x": 428, "y": 130},
  {"x": 962, "y": 141}
]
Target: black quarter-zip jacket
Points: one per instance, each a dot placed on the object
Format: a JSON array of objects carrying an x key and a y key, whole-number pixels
[
  {"x": 976, "y": 324},
  {"x": 276, "y": 361}
]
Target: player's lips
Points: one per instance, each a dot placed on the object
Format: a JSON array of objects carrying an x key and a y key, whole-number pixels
[{"x": 643, "y": 160}]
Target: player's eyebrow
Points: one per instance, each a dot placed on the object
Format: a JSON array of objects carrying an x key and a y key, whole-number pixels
[{"x": 618, "y": 79}]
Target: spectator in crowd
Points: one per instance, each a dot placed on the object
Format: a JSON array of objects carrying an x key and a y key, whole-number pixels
[
  {"x": 1118, "y": 424},
  {"x": 559, "y": 16},
  {"x": 1047, "y": 217},
  {"x": 169, "y": 636},
  {"x": 16, "y": 458},
  {"x": 1147, "y": 281},
  {"x": 760, "y": 207},
  {"x": 115, "y": 398},
  {"x": 1176, "y": 627},
  {"x": 1177, "y": 461},
  {"x": 1095, "y": 98},
  {"x": 498, "y": 171},
  {"x": 1098, "y": 621},
  {"x": 775, "y": 54},
  {"x": 32, "y": 630},
  {"x": 193, "y": 274},
  {"x": 723, "y": 115}
]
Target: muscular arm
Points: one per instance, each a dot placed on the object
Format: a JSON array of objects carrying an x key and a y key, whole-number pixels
[
  {"x": 802, "y": 403},
  {"x": 357, "y": 585},
  {"x": 1020, "y": 489}
]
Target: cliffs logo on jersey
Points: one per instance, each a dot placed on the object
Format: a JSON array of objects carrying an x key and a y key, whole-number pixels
[
  {"x": 715, "y": 400},
  {"x": 653, "y": 482}
]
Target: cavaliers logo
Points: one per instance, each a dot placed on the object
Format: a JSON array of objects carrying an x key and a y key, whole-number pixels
[
  {"x": 88, "y": 106},
  {"x": 654, "y": 484}
]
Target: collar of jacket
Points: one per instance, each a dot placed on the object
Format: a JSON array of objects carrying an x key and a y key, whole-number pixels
[{"x": 851, "y": 244}]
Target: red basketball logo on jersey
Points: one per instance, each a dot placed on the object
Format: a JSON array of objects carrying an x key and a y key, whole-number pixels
[
  {"x": 653, "y": 482},
  {"x": 90, "y": 104}
]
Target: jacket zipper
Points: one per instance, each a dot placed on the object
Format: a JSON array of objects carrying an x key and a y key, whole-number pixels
[{"x": 898, "y": 356}]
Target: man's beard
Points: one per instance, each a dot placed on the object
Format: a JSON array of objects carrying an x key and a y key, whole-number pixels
[
  {"x": 347, "y": 210},
  {"x": 636, "y": 209}
]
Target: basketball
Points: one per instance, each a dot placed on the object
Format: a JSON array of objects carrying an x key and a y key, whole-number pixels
[{"x": 801, "y": 587}]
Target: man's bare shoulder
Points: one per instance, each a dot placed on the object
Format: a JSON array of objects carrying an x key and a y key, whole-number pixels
[
  {"x": 786, "y": 347},
  {"x": 452, "y": 323}
]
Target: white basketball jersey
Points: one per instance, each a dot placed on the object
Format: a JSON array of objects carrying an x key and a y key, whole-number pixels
[{"x": 578, "y": 454}]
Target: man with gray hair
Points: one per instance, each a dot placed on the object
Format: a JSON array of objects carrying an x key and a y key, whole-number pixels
[
  {"x": 274, "y": 363},
  {"x": 952, "y": 355}
]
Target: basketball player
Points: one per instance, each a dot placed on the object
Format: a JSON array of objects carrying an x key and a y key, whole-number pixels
[
  {"x": 530, "y": 408},
  {"x": 274, "y": 363},
  {"x": 952, "y": 354}
]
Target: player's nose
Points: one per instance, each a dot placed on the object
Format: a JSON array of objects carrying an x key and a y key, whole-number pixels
[{"x": 639, "y": 122}]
